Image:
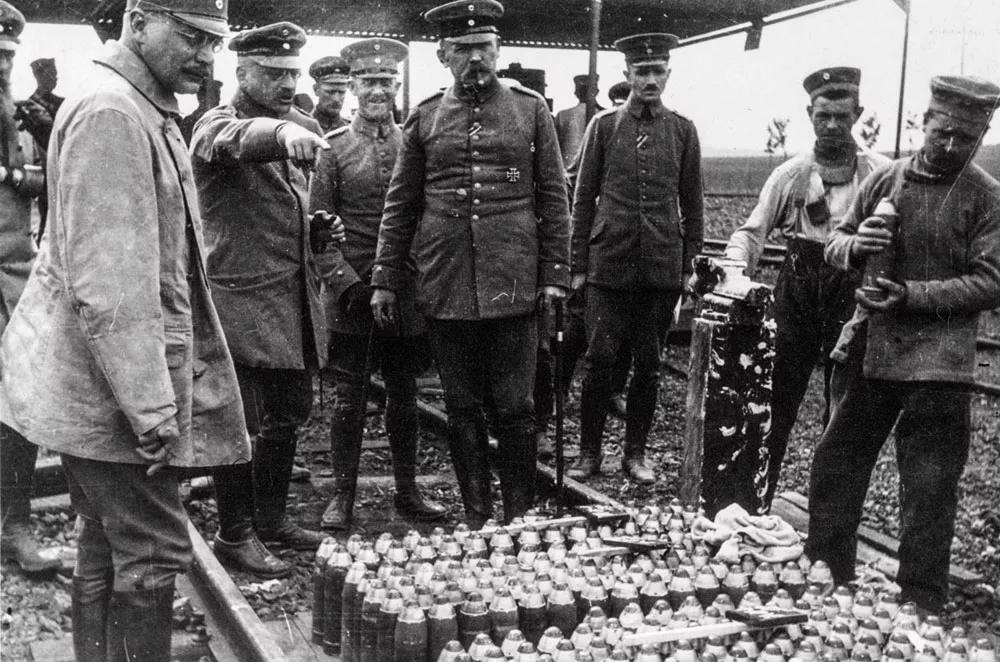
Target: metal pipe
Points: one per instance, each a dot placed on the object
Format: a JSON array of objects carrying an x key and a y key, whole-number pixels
[
  {"x": 902, "y": 80},
  {"x": 595, "y": 42}
]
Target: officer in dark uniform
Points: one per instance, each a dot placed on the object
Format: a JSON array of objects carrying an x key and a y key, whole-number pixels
[
  {"x": 351, "y": 180},
  {"x": 248, "y": 157},
  {"x": 637, "y": 224},
  {"x": 478, "y": 194},
  {"x": 331, "y": 75}
]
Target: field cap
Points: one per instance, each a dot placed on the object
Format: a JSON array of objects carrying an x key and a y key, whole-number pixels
[
  {"x": 466, "y": 21},
  {"x": 833, "y": 79},
  {"x": 376, "y": 57},
  {"x": 330, "y": 69},
  {"x": 11, "y": 26},
  {"x": 967, "y": 99},
  {"x": 647, "y": 48},
  {"x": 276, "y": 45},
  {"x": 211, "y": 16}
]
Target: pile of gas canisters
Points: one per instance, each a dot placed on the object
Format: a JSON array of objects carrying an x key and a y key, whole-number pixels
[{"x": 535, "y": 592}]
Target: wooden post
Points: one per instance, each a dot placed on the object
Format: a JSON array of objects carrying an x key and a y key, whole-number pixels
[{"x": 694, "y": 421}]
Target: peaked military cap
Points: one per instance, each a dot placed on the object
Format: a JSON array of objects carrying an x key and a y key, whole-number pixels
[
  {"x": 11, "y": 26},
  {"x": 376, "y": 57},
  {"x": 466, "y": 21},
  {"x": 647, "y": 48},
  {"x": 833, "y": 79},
  {"x": 211, "y": 16},
  {"x": 619, "y": 91},
  {"x": 276, "y": 45},
  {"x": 330, "y": 69},
  {"x": 965, "y": 98}
]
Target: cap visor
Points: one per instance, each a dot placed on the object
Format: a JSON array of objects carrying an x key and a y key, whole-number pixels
[
  {"x": 475, "y": 38},
  {"x": 333, "y": 78},
  {"x": 378, "y": 74},
  {"x": 8, "y": 45},
  {"x": 213, "y": 26},
  {"x": 277, "y": 61}
]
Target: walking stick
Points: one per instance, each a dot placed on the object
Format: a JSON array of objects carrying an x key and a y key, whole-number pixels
[{"x": 557, "y": 378}]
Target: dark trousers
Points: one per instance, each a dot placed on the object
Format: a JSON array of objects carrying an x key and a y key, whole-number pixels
[
  {"x": 17, "y": 476},
  {"x": 489, "y": 360},
  {"x": 275, "y": 402},
  {"x": 398, "y": 359},
  {"x": 616, "y": 317},
  {"x": 133, "y": 527},
  {"x": 932, "y": 445},
  {"x": 812, "y": 300}
]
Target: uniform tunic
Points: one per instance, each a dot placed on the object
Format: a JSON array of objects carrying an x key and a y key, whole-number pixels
[
  {"x": 254, "y": 201},
  {"x": 328, "y": 123},
  {"x": 351, "y": 181},
  {"x": 478, "y": 192},
  {"x": 637, "y": 214}
]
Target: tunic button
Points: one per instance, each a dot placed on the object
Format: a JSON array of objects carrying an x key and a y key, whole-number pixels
[
  {"x": 475, "y": 217},
  {"x": 477, "y": 186},
  {"x": 340, "y": 272},
  {"x": 475, "y": 201},
  {"x": 461, "y": 193},
  {"x": 476, "y": 168},
  {"x": 475, "y": 110},
  {"x": 476, "y": 137},
  {"x": 475, "y": 152}
]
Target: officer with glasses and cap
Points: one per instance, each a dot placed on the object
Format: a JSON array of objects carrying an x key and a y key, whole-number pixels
[
  {"x": 115, "y": 337},
  {"x": 250, "y": 158}
]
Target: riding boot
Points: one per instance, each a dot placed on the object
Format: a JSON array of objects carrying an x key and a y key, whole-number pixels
[
  {"x": 516, "y": 460},
  {"x": 468, "y": 445},
  {"x": 139, "y": 625},
  {"x": 236, "y": 544},
  {"x": 272, "y": 471},
  {"x": 402, "y": 429},
  {"x": 345, "y": 453},
  {"x": 89, "y": 611},
  {"x": 17, "y": 472}
]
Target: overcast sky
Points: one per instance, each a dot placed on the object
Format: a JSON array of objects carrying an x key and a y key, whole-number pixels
[{"x": 731, "y": 94}]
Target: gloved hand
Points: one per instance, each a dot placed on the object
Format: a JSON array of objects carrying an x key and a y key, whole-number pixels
[{"x": 356, "y": 299}]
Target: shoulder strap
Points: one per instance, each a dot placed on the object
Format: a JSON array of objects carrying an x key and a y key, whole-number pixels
[{"x": 800, "y": 190}]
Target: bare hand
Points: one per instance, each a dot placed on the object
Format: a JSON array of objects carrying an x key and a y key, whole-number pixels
[
  {"x": 33, "y": 114},
  {"x": 872, "y": 237},
  {"x": 549, "y": 294},
  {"x": 578, "y": 281},
  {"x": 300, "y": 143},
  {"x": 895, "y": 296},
  {"x": 155, "y": 446},
  {"x": 385, "y": 308}
]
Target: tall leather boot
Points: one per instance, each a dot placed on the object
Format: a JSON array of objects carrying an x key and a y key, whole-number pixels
[
  {"x": 345, "y": 453},
  {"x": 17, "y": 473},
  {"x": 401, "y": 425},
  {"x": 236, "y": 544},
  {"x": 89, "y": 611},
  {"x": 139, "y": 625},
  {"x": 469, "y": 448},
  {"x": 516, "y": 460},
  {"x": 272, "y": 471}
]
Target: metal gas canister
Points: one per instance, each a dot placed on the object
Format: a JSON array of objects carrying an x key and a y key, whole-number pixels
[{"x": 882, "y": 264}]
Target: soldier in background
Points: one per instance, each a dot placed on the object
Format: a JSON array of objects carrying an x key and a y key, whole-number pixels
[
  {"x": 18, "y": 187},
  {"x": 208, "y": 98},
  {"x": 478, "y": 194},
  {"x": 331, "y": 75},
  {"x": 572, "y": 122},
  {"x": 637, "y": 225},
  {"x": 249, "y": 159},
  {"x": 351, "y": 180}
]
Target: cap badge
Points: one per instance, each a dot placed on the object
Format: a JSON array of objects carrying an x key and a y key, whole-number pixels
[
  {"x": 286, "y": 46},
  {"x": 378, "y": 60},
  {"x": 472, "y": 7},
  {"x": 218, "y": 4},
  {"x": 377, "y": 47},
  {"x": 826, "y": 75},
  {"x": 472, "y": 22}
]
